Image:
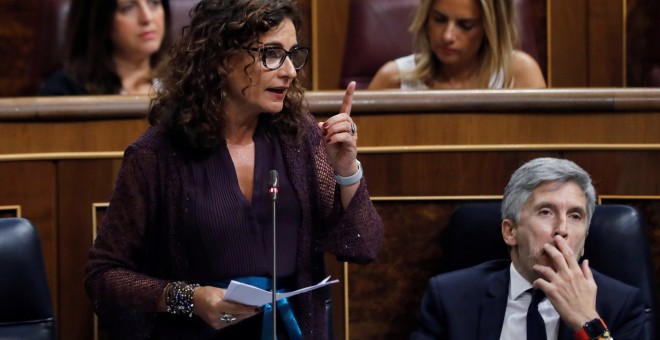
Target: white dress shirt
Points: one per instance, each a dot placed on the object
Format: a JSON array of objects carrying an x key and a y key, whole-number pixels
[{"x": 515, "y": 317}]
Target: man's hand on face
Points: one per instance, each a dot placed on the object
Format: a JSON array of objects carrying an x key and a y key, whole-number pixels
[{"x": 570, "y": 287}]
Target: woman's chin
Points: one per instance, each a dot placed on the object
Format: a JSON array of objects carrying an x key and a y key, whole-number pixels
[{"x": 273, "y": 109}]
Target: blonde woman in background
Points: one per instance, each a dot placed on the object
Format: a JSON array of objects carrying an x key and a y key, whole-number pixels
[{"x": 462, "y": 44}]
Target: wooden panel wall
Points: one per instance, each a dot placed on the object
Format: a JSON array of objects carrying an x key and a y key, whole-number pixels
[
  {"x": 423, "y": 154},
  {"x": 642, "y": 34},
  {"x": 22, "y": 56},
  {"x": 586, "y": 43},
  {"x": 81, "y": 183},
  {"x": 30, "y": 187},
  {"x": 330, "y": 19},
  {"x": 606, "y": 53},
  {"x": 567, "y": 55}
]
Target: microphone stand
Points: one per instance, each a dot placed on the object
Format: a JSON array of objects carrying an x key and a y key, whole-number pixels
[{"x": 273, "y": 195}]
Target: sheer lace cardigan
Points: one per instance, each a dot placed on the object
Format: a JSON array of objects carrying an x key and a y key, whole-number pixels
[{"x": 141, "y": 244}]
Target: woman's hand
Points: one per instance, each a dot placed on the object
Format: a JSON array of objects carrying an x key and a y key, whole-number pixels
[
  {"x": 340, "y": 135},
  {"x": 209, "y": 304}
]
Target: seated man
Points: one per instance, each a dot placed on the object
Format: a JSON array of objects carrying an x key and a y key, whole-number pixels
[{"x": 543, "y": 292}]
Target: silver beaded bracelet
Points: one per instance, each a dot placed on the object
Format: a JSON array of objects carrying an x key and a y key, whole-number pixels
[
  {"x": 179, "y": 299},
  {"x": 352, "y": 179}
]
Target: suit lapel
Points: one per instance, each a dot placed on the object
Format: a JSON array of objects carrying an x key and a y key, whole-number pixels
[{"x": 491, "y": 315}]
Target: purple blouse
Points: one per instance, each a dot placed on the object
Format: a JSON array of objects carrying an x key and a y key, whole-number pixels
[{"x": 232, "y": 237}]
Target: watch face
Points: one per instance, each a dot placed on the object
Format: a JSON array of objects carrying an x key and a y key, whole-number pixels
[{"x": 594, "y": 328}]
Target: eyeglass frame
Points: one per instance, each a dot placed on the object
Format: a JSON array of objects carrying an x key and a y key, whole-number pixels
[{"x": 286, "y": 54}]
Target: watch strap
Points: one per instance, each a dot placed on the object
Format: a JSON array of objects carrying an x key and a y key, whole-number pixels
[{"x": 594, "y": 329}]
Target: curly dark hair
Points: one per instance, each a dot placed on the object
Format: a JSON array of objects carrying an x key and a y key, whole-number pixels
[{"x": 190, "y": 101}]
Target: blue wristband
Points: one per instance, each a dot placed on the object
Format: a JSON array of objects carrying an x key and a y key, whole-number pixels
[{"x": 350, "y": 180}]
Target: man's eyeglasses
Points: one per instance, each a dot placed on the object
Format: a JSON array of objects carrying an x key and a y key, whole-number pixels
[{"x": 273, "y": 57}]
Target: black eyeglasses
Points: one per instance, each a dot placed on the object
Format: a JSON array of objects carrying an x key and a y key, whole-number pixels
[{"x": 273, "y": 57}]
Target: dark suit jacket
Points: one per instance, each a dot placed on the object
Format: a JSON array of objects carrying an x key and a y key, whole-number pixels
[{"x": 470, "y": 304}]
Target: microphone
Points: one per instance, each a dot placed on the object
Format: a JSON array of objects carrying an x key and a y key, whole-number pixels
[{"x": 273, "y": 184}]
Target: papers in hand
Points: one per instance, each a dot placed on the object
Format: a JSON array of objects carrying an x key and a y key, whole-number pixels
[{"x": 253, "y": 296}]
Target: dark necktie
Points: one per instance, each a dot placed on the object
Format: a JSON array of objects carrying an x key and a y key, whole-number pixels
[{"x": 535, "y": 323}]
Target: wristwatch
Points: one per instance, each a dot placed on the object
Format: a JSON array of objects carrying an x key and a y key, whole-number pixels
[{"x": 592, "y": 330}]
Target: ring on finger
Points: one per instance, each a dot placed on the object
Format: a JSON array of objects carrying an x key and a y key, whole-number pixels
[
  {"x": 353, "y": 129},
  {"x": 227, "y": 318}
]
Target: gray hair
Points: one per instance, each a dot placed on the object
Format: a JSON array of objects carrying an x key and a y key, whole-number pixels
[{"x": 539, "y": 171}]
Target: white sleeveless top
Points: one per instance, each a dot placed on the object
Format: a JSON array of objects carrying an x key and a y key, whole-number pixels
[{"x": 407, "y": 64}]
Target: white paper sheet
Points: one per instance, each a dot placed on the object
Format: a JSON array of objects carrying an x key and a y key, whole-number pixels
[{"x": 253, "y": 296}]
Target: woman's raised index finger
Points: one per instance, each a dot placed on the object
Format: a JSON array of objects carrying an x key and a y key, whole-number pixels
[{"x": 348, "y": 99}]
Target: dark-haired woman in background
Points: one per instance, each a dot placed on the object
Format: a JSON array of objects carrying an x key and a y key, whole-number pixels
[
  {"x": 191, "y": 209},
  {"x": 113, "y": 47}
]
